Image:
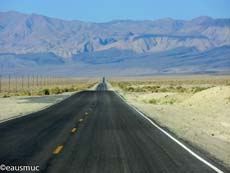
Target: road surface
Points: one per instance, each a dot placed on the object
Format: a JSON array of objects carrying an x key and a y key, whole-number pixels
[{"x": 93, "y": 132}]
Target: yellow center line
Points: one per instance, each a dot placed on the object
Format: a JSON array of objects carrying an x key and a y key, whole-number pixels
[
  {"x": 73, "y": 130},
  {"x": 80, "y": 120},
  {"x": 58, "y": 149}
]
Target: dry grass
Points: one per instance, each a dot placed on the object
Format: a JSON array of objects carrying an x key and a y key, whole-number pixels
[
  {"x": 152, "y": 87},
  {"x": 64, "y": 85},
  {"x": 181, "y": 85},
  {"x": 28, "y": 101}
]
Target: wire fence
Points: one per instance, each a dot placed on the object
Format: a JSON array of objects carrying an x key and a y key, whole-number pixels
[{"x": 32, "y": 83}]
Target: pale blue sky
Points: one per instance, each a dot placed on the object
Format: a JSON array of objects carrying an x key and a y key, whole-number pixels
[{"x": 106, "y": 10}]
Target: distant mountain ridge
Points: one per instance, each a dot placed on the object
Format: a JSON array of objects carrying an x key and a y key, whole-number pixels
[
  {"x": 26, "y": 34},
  {"x": 114, "y": 62},
  {"x": 35, "y": 44}
]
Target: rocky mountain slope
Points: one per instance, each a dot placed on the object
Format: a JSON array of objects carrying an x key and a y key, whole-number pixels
[
  {"x": 114, "y": 62},
  {"x": 23, "y": 34}
]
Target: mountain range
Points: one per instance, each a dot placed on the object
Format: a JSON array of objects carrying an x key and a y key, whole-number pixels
[{"x": 135, "y": 47}]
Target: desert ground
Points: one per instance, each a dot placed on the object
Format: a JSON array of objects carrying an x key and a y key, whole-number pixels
[
  {"x": 194, "y": 108},
  {"x": 17, "y": 104}
]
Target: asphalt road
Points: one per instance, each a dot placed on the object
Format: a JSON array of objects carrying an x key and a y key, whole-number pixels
[{"x": 93, "y": 131}]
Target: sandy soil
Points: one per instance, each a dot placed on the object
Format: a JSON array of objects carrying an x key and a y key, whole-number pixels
[
  {"x": 16, "y": 106},
  {"x": 202, "y": 118},
  {"x": 13, "y": 107}
]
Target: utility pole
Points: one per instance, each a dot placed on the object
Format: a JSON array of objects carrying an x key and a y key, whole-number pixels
[
  {"x": 16, "y": 84},
  {"x": 32, "y": 85},
  {"x": 22, "y": 82},
  {"x": 41, "y": 82},
  {"x": 0, "y": 83},
  {"x": 9, "y": 83},
  {"x": 37, "y": 81},
  {"x": 44, "y": 81},
  {"x": 28, "y": 82}
]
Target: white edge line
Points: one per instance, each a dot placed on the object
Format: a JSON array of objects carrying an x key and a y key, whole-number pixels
[{"x": 174, "y": 139}]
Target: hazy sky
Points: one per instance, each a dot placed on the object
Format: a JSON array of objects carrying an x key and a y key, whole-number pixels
[{"x": 106, "y": 10}]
